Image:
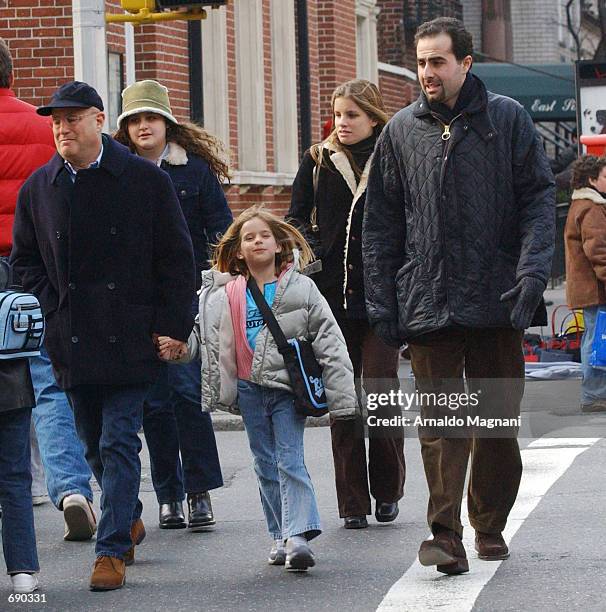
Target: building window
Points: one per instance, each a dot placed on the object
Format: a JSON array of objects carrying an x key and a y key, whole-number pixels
[
  {"x": 366, "y": 39},
  {"x": 115, "y": 82}
]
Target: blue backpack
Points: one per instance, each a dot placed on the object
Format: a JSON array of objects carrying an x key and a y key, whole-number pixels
[{"x": 21, "y": 321}]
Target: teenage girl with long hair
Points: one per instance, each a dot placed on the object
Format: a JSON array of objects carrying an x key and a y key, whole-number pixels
[{"x": 328, "y": 205}]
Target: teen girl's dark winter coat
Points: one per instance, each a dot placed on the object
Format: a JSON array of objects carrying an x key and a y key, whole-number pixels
[
  {"x": 202, "y": 201},
  {"x": 339, "y": 197}
]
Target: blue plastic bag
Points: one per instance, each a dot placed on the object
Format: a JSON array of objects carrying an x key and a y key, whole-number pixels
[{"x": 597, "y": 358}]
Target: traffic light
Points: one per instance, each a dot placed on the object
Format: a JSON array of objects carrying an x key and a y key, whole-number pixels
[
  {"x": 149, "y": 11},
  {"x": 134, "y": 6},
  {"x": 173, "y": 4}
]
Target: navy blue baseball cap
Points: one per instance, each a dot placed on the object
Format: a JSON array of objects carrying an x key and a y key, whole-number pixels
[{"x": 74, "y": 94}]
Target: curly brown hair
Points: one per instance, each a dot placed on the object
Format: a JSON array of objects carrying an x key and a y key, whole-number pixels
[
  {"x": 193, "y": 138},
  {"x": 585, "y": 168},
  {"x": 225, "y": 257}
]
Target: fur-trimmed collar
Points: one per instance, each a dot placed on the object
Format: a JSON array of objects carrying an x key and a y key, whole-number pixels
[
  {"x": 177, "y": 156},
  {"x": 587, "y": 193},
  {"x": 342, "y": 164}
]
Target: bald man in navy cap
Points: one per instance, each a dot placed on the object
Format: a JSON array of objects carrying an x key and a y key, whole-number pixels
[{"x": 100, "y": 239}]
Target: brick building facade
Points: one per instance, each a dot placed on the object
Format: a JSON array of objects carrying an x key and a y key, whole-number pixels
[{"x": 250, "y": 70}]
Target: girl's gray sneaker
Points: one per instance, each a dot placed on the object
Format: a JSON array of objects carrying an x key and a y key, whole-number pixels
[
  {"x": 298, "y": 555},
  {"x": 277, "y": 554}
]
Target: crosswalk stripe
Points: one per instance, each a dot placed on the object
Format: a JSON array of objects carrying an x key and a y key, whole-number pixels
[{"x": 422, "y": 588}]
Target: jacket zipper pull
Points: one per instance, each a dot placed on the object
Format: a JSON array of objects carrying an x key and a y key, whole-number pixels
[{"x": 446, "y": 132}]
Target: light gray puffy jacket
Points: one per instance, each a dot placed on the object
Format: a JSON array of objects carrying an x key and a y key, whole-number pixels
[{"x": 301, "y": 311}]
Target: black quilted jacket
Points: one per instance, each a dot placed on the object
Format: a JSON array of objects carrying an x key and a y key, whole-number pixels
[{"x": 450, "y": 225}]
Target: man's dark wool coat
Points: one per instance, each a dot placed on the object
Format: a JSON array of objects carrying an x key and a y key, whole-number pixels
[{"x": 110, "y": 259}]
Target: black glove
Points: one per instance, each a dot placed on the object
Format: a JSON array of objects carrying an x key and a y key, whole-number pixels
[
  {"x": 388, "y": 332},
  {"x": 526, "y": 296}
]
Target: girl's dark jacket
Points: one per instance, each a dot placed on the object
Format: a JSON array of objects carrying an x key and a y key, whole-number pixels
[
  {"x": 339, "y": 199},
  {"x": 202, "y": 201},
  {"x": 452, "y": 224},
  {"x": 111, "y": 261}
]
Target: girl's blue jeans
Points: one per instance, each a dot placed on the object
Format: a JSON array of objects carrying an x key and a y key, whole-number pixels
[
  {"x": 593, "y": 387},
  {"x": 18, "y": 535},
  {"x": 275, "y": 434}
]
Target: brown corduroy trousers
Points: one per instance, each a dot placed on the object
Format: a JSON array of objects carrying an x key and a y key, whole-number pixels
[
  {"x": 377, "y": 364},
  {"x": 487, "y": 356}
]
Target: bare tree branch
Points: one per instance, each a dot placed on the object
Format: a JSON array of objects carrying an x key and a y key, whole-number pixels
[
  {"x": 600, "y": 52},
  {"x": 570, "y": 25}
]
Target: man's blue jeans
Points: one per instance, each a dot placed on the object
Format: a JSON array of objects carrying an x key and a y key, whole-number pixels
[
  {"x": 593, "y": 387},
  {"x": 18, "y": 536},
  {"x": 275, "y": 434},
  {"x": 60, "y": 448},
  {"x": 108, "y": 419},
  {"x": 173, "y": 421}
]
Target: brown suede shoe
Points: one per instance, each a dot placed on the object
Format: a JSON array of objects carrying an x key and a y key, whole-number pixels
[
  {"x": 108, "y": 574},
  {"x": 491, "y": 546},
  {"x": 597, "y": 406},
  {"x": 446, "y": 552},
  {"x": 137, "y": 535}
]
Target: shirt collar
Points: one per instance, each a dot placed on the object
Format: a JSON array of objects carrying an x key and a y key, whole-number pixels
[
  {"x": 163, "y": 155},
  {"x": 72, "y": 171}
]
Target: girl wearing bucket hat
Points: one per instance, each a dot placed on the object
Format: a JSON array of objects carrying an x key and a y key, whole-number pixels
[{"x": 172, "y": 420}]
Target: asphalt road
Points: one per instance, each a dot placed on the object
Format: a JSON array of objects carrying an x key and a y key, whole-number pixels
[{"x": 557, "y": 560}]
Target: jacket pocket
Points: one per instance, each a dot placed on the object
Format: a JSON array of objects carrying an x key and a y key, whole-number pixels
[
  {"x": 186, "y": 191},
  {"x": 136, "y": 337},
  {"x": 503, "y": 276},
  {"x": 56, "y": 338},
  {"x": 502, "y": 279},
  {"x": 189, "y": 195},
  {"x": 406, "y": 268},
  {"x": 415, "y": 304}
]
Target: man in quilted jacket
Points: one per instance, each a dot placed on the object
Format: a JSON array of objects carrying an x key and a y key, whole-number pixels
[{"x": 457, "y": 245}]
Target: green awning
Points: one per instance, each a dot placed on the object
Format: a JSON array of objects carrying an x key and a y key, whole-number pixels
[{"x": 547, "y": 91}]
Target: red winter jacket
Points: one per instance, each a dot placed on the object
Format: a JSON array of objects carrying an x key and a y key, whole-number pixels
[{"x": 26, "y": 143}]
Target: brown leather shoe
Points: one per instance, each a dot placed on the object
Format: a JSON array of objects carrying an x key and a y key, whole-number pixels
[
  {"x": 137, "y": 535},
  {"x": 491, "y": 546},
  {"x": 597, "y": 406},
  {"x": 108, "y": 574},
  {"x": 446, "y": 552}
]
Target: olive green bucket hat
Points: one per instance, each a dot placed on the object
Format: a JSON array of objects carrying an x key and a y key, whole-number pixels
[{"x": 146, "y": 97}]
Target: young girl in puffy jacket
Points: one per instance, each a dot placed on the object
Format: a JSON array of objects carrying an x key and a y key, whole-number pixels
[{"x": 242, "y": 370}]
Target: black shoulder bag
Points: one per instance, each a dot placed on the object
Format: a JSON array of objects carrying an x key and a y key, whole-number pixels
[{"x": 304, "y": 371}]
